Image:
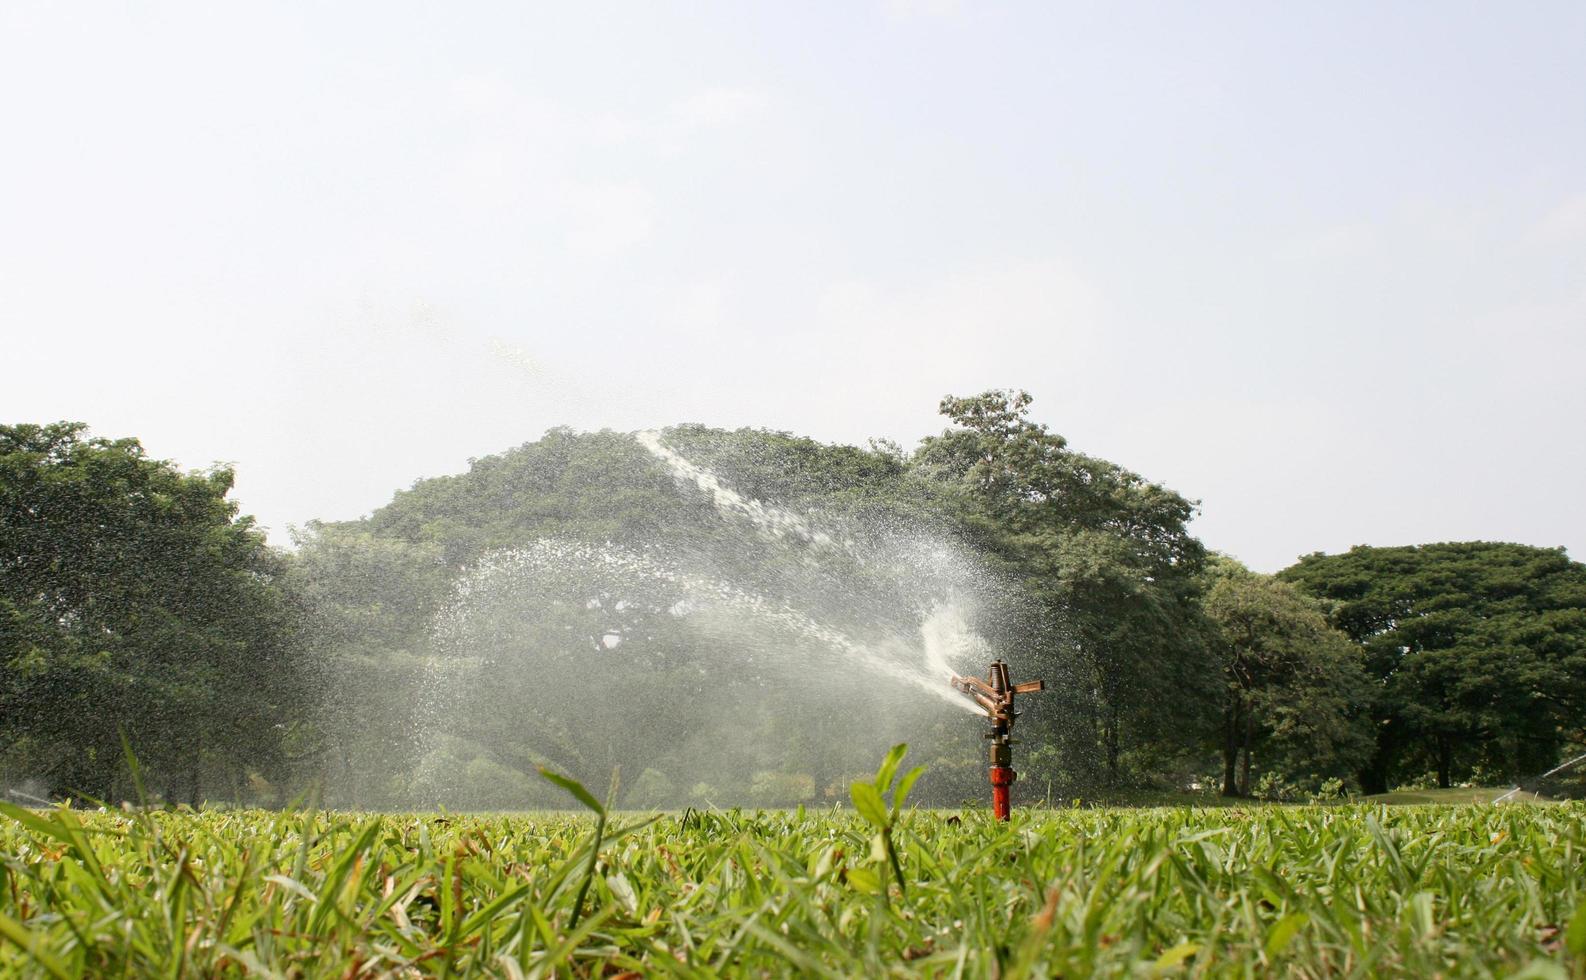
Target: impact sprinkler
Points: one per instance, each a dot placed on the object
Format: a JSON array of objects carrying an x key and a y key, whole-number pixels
[{"x": 995, "y": 694}]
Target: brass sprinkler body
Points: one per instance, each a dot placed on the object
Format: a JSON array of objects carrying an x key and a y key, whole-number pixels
[{"x": 995, "y": 694}]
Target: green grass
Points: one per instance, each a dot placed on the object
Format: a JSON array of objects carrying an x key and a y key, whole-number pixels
[{"x": 1337, "y": 890}]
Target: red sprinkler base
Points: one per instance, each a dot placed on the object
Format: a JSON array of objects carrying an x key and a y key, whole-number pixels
[{"x": 1002, "y": 778}]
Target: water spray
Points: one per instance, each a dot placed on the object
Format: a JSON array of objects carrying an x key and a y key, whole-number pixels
[
  {"x": 995, "y": 694},
  {"x": 1556, "y": 769}
]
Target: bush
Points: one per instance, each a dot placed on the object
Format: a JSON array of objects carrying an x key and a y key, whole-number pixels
[
  {"x": 703, "y": 794},
  {"x": 653, "y": 789},
  {"x": 770, "y": 788},
  {"x": 1278, "y": 788}
]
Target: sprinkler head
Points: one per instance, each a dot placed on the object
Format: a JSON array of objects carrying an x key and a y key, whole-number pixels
[{"x": 995, "y": 694}]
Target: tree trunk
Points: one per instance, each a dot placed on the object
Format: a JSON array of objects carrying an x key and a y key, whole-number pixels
[
  {"x": 1231, "y": 747},
  {"x": 1374, "y": 775},
  {"x": 1445, "y": 761},
  {"x": 1093, "y": 720},
  {"x": 1250, "y": 737},
  {"x": 1112, "y": 745}
]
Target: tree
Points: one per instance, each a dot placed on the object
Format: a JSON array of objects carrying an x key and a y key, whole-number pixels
[
  {"x": 370, "y": 602},
  {"x": 1478, "y": 651},
  {"x": 572, "y": 602},
  {"x": 1295, "y": 685},
  {"x": 1106, "y": 554},
  {"x": 135, "y": 602}
]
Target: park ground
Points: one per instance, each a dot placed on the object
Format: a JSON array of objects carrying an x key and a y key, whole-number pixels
[{"x": 1444, "y": 889}]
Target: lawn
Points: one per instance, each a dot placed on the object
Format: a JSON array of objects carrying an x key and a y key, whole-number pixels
[{"x": 1353, "y": 889}]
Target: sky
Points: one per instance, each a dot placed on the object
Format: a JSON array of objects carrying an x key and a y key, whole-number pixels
[{"x": 1321, "y": 267}]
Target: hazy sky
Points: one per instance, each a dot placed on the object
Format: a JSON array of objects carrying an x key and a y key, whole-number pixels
[{"x": 1322, "y": 267}]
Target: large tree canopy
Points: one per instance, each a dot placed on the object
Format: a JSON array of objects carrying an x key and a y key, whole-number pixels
[
  {"x": 1108, "y": 556},
  {"x": 134, "y": 601},
  {"x": 469, "y": 607},
  {"x": 1297, "y": 690},
  {"x": 713, "y": 609},
  {"x": 1478, "y": 651},
  {"x": 1075, "y": 569}
]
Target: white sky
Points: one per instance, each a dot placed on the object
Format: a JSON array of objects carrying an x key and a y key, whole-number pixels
[{"x": 1323, "y": 269}]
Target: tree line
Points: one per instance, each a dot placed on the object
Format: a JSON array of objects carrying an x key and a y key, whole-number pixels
[{"x": 140, "y": 611}]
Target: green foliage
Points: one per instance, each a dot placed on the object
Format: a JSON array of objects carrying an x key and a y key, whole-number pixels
[
  {"x": 583, "y": 796},
  {"x": 134, "y": 600},
  {"x": 1097, "y": 586},
  {"x": 1478, "y": 650},
  {"x": 595, "y": 486},
  {"x": 1297, "y": 692},
  {"x": 1110, "y": 567},
  {"x": 377, "y": 585},
  {"x": 371, "y": 602},
  {"x": 868, "y": 801},
  {"x": 1431, "y": 890},
  {"x": 772, "y": 788},
  {"x": 653, "y": 788}
]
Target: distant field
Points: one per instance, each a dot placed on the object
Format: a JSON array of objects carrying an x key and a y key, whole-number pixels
[
  {"x": 1353, "y": 889},
  {"x": 1485, "y": 794},
  {"x": 1414, "y": 797}
]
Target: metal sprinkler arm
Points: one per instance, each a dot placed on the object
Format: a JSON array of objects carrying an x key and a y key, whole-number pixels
[
  {"x": 982, "y": 695},
  {"x": 995, "y": 694}
]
